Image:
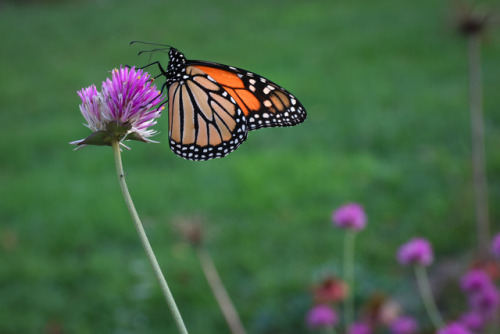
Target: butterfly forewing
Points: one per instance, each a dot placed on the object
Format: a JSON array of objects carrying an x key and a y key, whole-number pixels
[{"x": 264, "y": 103}]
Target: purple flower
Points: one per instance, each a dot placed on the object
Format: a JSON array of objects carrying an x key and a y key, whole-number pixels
[
  {"x": 472, "y": 320},
  {"x": 486, "y": 301},
  {"x": 495, "y": 245},
  {"x": 416, "y": 251},
  {"x": 123, "y": 110},
  {"x": 404, "y": 325},
  {"x": 321, "y": 316},
  {"x": 359, "y": 328},
  {"x": 350, "y": 216},
  {"x": 475, "y": 280},
  {"x": 454, "y": 328}
]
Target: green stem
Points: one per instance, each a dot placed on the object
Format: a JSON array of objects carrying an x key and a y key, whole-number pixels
[
  {"x": 329, "y": 330},
  {"x": 477, "y": 140},
  {"x": 145, "y": 242},
  {"x": 219, "y": 291},
  {"x": 427, "y": 297},
  {"x": 349, "y": 277}
]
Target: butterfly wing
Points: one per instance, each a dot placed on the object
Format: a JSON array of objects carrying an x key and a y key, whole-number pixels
[
  {"x": 264, "y": 103},
  {"x": 213, "y": 106},
  {"x": 204, "y": 121}
]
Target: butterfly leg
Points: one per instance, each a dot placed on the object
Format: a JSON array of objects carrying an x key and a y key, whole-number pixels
[{"x": 163, "y": 72}]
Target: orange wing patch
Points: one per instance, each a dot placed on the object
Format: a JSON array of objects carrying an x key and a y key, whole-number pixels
[
  {"x": 235, "y": 87},
  {"x": 223, "y": 77}
]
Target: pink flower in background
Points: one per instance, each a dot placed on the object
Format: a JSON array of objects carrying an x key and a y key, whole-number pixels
[
  {"x": 454, "y": 328},
  {"x": 495, "y": 245},
  {"x": 359, "y": 328},
  {"x": 321, "y": 316},
  {"x": 416, "y": 251},
  {"x": 475, "y": 280},
  {"x": 350, "y": 216},
  {"x": 486, "y": 301},
  {"x": 330, "y": 290},
  {"x": 472, "y": 320},
  {"x": 483, "y": 295},
  {"x": 123, "y": 110},
  {"x": 404, "y": 325}
]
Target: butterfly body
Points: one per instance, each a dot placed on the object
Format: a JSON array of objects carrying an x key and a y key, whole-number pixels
[{"x": 212, "y": 106}]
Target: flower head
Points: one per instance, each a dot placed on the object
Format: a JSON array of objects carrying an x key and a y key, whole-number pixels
[
  {"x": 321, "y": 316},
  {"x": 330, "y": 290},
  {"x": 475, "y": 280},
  {"x": 416, "y": 251},
  {"x": 495, "y": 245},
  {"x": 404, "y": 325},
  {"x": 454, "y": 328},
  {"x": 350, "y": 216},
  {"x": 472, "y": 320},
  {"x": 123, "y": 110},
  {"x": 359, "y": 328},
  {"x": 486, "y": 301}
]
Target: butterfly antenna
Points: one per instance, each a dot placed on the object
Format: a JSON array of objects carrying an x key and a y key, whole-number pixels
[
  {"x": 149, "y": 43},
  {"x": 153, "y": 50}
]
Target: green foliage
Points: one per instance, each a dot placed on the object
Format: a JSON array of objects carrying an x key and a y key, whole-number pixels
[{"x": 384, "y": 84}]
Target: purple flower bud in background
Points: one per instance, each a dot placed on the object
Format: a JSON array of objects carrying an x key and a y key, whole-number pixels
[
  {"x": 495, "y": 246},
  {"x": 321, "y": 316},
  {"x": 404, "y": 325},
  {"x": 359, "y": 328},
  {"x": 472, "y": 320},
  {"x": 475, "y": 280},
  {"x": 416, "y": 251},
  {"x": 486, "y": 301},
  {"x": 350, "y": 216},
  {"x": 454, "y": 328}
]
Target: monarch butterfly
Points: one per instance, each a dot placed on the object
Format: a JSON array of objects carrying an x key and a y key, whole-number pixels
[{"x": 212, "y": 107}]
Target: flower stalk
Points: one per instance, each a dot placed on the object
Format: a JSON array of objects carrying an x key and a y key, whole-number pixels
[
  {"x": 144, "y": 240},
  {"x": 427, "y": 296},
  {"x": 477, "y": 139},
  {"x": 329, "y": 330},
  {"x": 350, "y": 236},
  {"x": 352, "y": 218},
  {"x": 219, "y": 291}
]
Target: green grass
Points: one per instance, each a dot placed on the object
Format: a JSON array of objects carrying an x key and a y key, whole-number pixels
[{"x": 384, "y": 84}]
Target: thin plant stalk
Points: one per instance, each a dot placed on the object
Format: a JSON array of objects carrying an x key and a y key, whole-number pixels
[
  {"x": 219, "y": 291},
  {"x": 329, "y": 330},
  {"x": 477, "y": 142},
  {"x": 427, "y": 297},
  {"x": 145, "y": 242},
  {"x": 349, "y": 277}
]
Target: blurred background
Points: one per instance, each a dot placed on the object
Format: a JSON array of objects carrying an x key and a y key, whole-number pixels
[{"x": 385, "y": 87}]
